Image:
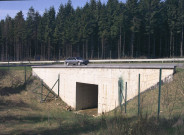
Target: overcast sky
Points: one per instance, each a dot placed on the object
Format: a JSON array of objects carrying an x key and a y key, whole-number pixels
[{"x": 12, "y": 7}]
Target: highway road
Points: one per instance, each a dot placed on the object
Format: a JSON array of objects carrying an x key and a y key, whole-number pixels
[
  {"x": 105, "y": 65},
  {"x": 125, "y": 65}
]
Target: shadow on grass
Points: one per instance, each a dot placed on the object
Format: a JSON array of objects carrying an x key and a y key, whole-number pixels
[
  {"x": 10, "y": 103},
  {"x": 110, "y": 126},
  {"x": 118, "y": 125},
  {"x": 105, "y": 126},
  {"x": 6, "y": 91},
  {"x": 63, "y": 129},
  {"x": 22, "y": 119},
  {"x": 3, "y": 73}
]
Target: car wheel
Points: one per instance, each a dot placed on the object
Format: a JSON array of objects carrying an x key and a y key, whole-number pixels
[{"x": 78, "y": 63}]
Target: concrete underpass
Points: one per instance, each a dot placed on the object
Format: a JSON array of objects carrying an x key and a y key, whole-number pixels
[
  {"x": 86, "y": 96},
  {"x": 84, "y": 87}
]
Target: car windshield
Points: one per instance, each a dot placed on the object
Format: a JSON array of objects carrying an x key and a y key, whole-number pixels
[
  {"x": 79, "y": 58},
  {"x": 69, "y": 58}
]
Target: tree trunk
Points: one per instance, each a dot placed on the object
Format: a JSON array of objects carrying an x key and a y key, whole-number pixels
[
  {"x": 48, "y": 50},
  {"x": 71, "y": 50},
  {"x": 118, "y": 49},
  {"x": 170, "y": 49},
  {"x": 83, "y": 50},
  {"x": 120, "y": 44},
  {"x": 63, "y": 51},
  {"x": 78, "y": 50},
  {"x": 181, "y": 44},
  {"x": 102, "y": 55},
  {"x": 154, "y": 48},
  {"x": 41, "y": 49},
  {"x": 6, "y": 49},
  {"x": 132, "y": 44},
  {"x": 166, "y": 47},
  {"x": 138, "y": 47},
  {"x": 124, "y": 44},
  {"x": 98, "y": 49},
  {"x": 59, "y": 53},
  {"x": 20, "y": 50},
  {"x": 173, "y": 47},
  {"x": 160, "y": 52},
  {"x": 2, "y": 53},
  {"x": 44, "y": 50},
  {"x": 92, "y": 47},
  {"x": 86, "y": 49},
  {"x": 66, "y": 50},
  {"x": 149, "y": 45},
  {"x": 17, "y": 49},
  {"x": 35, "y": 50},
  {"x": 30, "y": 51},
  {"x": 55, "y": 54}
]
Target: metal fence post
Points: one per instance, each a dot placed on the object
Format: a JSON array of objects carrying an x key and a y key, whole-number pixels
[
  {"x": 120, "y": 91},
  {"x": 159, "y": 93},
  {"x": 58, "y": 83},
  {"x": 41, "y": 90},
  {"x": 139, "y": 96},
  {"x": 125, "y": 96}
]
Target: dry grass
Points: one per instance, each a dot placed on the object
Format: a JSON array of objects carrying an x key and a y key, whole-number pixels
[
  {"x": 22, "y": 113},
  {"x": 20, "y": 108},
  {"x": 171, "y": 120},
  {"x": 172, "y": 100}
]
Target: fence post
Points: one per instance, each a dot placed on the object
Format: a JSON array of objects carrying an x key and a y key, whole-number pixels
[
  {"x": 159, "y": 93},
  {"x": 139, "y": 96},
  {"x": 41, "y": 91},
  {"x": 125, "y": 96},
  {"x": 120, "y": 91},
  {"x": 25, "y": 74},
  {"x": 58, "y": 83}
]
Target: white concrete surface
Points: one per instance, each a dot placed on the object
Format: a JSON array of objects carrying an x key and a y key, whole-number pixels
[{"x": 106, "y": 78}]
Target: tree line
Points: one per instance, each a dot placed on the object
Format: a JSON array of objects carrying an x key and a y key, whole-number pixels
[{"x": 137, "y": 28}]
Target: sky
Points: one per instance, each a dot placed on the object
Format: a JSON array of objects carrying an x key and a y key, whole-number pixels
[{"x": 12, "y": 7}]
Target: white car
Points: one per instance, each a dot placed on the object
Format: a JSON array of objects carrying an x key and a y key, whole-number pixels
[{"x": 76, "y": 61}]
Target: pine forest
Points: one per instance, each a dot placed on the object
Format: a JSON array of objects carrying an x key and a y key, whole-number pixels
[{"x": 114, "y": 30}]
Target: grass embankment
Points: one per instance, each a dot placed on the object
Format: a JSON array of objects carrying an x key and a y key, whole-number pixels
[{"x": 22, "y": 113}]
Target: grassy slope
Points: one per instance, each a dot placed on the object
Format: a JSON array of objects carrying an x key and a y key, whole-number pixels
[
  {"x": 172, "y": 99},
  {"x": 22, "y": 113},
  {"x": 171, "y": 111}
]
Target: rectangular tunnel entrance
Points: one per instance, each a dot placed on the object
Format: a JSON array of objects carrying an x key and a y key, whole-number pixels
[{"x": 86, "y": 96}]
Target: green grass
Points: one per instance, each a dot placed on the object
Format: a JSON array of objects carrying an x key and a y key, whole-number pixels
[{"x": 22, "y": 113}]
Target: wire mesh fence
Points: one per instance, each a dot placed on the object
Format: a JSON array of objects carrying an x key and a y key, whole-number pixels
[
  {"x": 16, "y": 78},
  {"x": 159, "y": 99}
]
